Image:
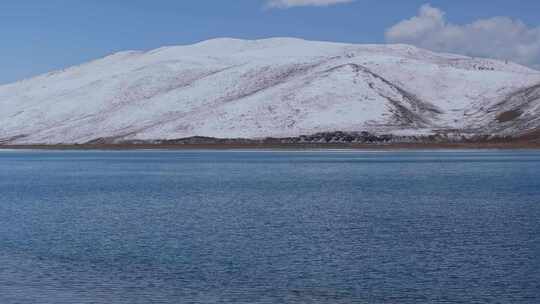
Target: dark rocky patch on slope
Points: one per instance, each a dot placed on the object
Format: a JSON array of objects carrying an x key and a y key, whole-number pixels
[{"x": 323, "y": 138}]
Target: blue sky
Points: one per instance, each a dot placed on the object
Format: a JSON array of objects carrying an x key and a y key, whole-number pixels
[{"x": 43, "y": 35}]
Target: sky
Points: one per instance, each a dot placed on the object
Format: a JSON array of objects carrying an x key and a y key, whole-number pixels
[{"x": 39, "y": 36}]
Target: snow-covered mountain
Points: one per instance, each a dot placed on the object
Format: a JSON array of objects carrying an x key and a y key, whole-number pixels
[{"x": 277, "y": 87}]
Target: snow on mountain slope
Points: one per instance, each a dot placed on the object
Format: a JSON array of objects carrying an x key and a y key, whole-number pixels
[{"x": 273, "y": 87}]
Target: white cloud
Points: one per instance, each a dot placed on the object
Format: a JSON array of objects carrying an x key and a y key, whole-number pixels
[
  {"x": 294, "y": 3},
  {"x": 498, "y": 37}
]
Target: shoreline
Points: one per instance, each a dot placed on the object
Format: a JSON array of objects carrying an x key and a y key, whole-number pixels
[{"x": 287, "y": 146}]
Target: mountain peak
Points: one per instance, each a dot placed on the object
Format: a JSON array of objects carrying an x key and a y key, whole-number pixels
[{"x": 230, "y": 87}]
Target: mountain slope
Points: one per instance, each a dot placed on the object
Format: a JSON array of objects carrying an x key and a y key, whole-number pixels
[{"x": 274, "y": 87}]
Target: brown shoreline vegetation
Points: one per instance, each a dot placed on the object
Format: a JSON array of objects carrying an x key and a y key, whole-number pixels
[
  {"x": 325, "y": 140},
  {"x": 403, "y": 146}
]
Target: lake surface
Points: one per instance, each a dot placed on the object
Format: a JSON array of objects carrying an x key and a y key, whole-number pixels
[{"x": 269, "y": 227}]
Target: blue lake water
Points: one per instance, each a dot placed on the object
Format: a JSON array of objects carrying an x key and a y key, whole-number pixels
[{"x": 269, "y": 227}]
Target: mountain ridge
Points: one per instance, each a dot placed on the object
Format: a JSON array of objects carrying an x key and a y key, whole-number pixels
[{"x": 279, "y": 87}]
